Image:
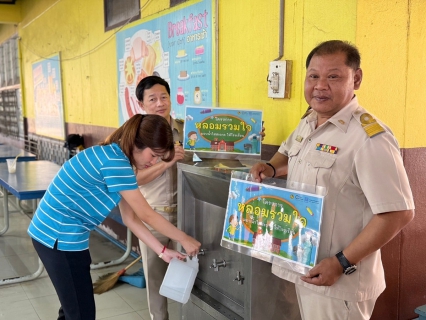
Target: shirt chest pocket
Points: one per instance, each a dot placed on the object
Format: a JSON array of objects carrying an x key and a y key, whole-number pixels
[
  {"x": 292, "y": 156},
  {"x": 318, "y": 168}
]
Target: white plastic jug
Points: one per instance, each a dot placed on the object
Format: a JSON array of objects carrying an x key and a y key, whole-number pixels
[{"x": 179, "y": 279}]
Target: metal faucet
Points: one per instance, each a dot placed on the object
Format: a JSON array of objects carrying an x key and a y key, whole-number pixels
[
  {"x": 216, "y": 266},
  {"x": 239, "y": 278},
  {"x": 202, "y": 252}
]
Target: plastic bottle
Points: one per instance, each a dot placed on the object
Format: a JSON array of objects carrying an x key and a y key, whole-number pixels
[
  {"x": 179, "y": 279},
  {"x": 180, "y": 97},
  {"x": 197, "y": 95}
]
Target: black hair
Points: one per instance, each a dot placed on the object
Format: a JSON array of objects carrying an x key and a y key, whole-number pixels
[
  {"x": 148, "y": 83},
  {"x": 353, "y": 58},
  {"x": 144, "y": 131}
]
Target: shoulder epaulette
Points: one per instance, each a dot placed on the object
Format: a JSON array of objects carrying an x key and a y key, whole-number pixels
[
  {"x": 307, "y": 112},
  {"x": 178, "y": 125},
  {"x": 370, "y": 125}
]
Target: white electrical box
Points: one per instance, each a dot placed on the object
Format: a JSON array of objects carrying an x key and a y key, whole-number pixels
[{"x": 278, "y": 84}]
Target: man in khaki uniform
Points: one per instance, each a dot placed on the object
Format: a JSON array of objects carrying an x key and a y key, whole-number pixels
[
  {"x": 158, "y": 184},
  {"x": 340, "y": 146}
]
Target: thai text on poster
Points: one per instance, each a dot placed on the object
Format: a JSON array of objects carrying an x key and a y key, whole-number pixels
[
  {"x": 221, "y": 130},
  {"x": 275, "y": 221},
  {"x": 177, "y": 46}
]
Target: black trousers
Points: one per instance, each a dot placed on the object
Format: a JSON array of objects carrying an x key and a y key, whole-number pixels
[{"x": 69, "y": 272}]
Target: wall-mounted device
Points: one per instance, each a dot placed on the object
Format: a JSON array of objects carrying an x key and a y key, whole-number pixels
[{"x": 279, "y": 79}]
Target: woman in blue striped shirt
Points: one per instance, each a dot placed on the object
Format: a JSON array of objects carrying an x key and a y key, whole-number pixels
[{"x": 81, "y": 196}]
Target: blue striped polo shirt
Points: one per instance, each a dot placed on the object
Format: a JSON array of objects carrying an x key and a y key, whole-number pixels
[{"x": 81, "y": 196}]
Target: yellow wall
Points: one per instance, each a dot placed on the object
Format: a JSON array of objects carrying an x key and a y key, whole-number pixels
[
  {"x": 390, "y": 35},
  {"x": 415, "y": 103},
  {"x": 382, "y": 39},
  {"x": 73, "y": 28},
  {"x": 248, "y": 41},
  {"x": 10, "y": 13},
  {"x": 7, "y": 31}
]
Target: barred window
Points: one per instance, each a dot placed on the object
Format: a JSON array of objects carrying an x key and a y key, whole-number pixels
[
  {"x": 119, "y": 12},
  {"x": 176, "y": 2},
  {"x": 9, "y": 64},
  {"x": 11, "y": 119}
]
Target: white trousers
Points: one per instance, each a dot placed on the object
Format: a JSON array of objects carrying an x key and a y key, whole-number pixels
[
  {"x": 315, "y": 306},
  {"x": 154, "y": 270}
]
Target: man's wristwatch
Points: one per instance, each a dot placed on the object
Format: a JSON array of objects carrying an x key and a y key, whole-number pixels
[{"x": 348, "y": 268}]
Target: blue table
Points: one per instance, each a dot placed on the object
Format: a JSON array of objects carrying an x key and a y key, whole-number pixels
[
  {"x": 28, "y": 183},
  {"x": 10, "y": 152}
]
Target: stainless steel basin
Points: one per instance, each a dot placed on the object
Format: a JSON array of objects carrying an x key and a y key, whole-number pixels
[{"x": 229, "y": 285}]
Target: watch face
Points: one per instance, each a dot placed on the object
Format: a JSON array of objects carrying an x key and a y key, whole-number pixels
[{"x": 350, "y": 270}]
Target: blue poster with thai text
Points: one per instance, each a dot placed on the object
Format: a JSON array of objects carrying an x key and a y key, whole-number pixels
[
  {"x": 274, "y": 221},
  {"x": 225, "y": 131}
]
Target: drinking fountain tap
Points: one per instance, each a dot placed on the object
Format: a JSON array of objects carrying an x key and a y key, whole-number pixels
[
  {"x": 239, "y": 278},
  {"x": 202, "y": 252},
  {"x": 216, "y": 265}
]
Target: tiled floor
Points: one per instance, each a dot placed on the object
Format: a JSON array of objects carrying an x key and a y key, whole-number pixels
[{"x": 37, "y": 300}]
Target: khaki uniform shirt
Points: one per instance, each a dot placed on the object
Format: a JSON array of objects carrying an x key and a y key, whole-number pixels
[
  {"x": 162, "y": 191},
  {"x": 366, "y": 176}
]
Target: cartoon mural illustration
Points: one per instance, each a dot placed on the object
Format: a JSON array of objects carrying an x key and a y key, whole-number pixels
[
  {"x": 192, "y": 140},
  {"x": 177, "y": 46},
  {"x": 308, "y": 241},
  {"x": 47, "y": 84},
  {"x": 143, "y": 56},
  {"x": 255, "y": 141},
  {"x": 233, "y": 226}
]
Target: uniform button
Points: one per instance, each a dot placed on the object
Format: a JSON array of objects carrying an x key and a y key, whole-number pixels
[
  {"x": 309, "y": 140},
  {"x": 300, "y": 160}
]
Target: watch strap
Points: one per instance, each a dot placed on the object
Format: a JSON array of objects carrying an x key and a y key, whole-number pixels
[{"x": 348, "y": 268}]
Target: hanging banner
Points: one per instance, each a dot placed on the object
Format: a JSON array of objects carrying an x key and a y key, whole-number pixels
[
  {"x": 267, "y": 222},
  {"x": 177, "y": 46},
  {"x": 223, "y": 131},
  {"x": 48, "y": 105}
]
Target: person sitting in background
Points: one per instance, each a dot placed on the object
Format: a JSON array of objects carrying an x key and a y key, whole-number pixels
[
  {"x": 82, "y": 194},
  {"x": 340, "y": 146}
]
